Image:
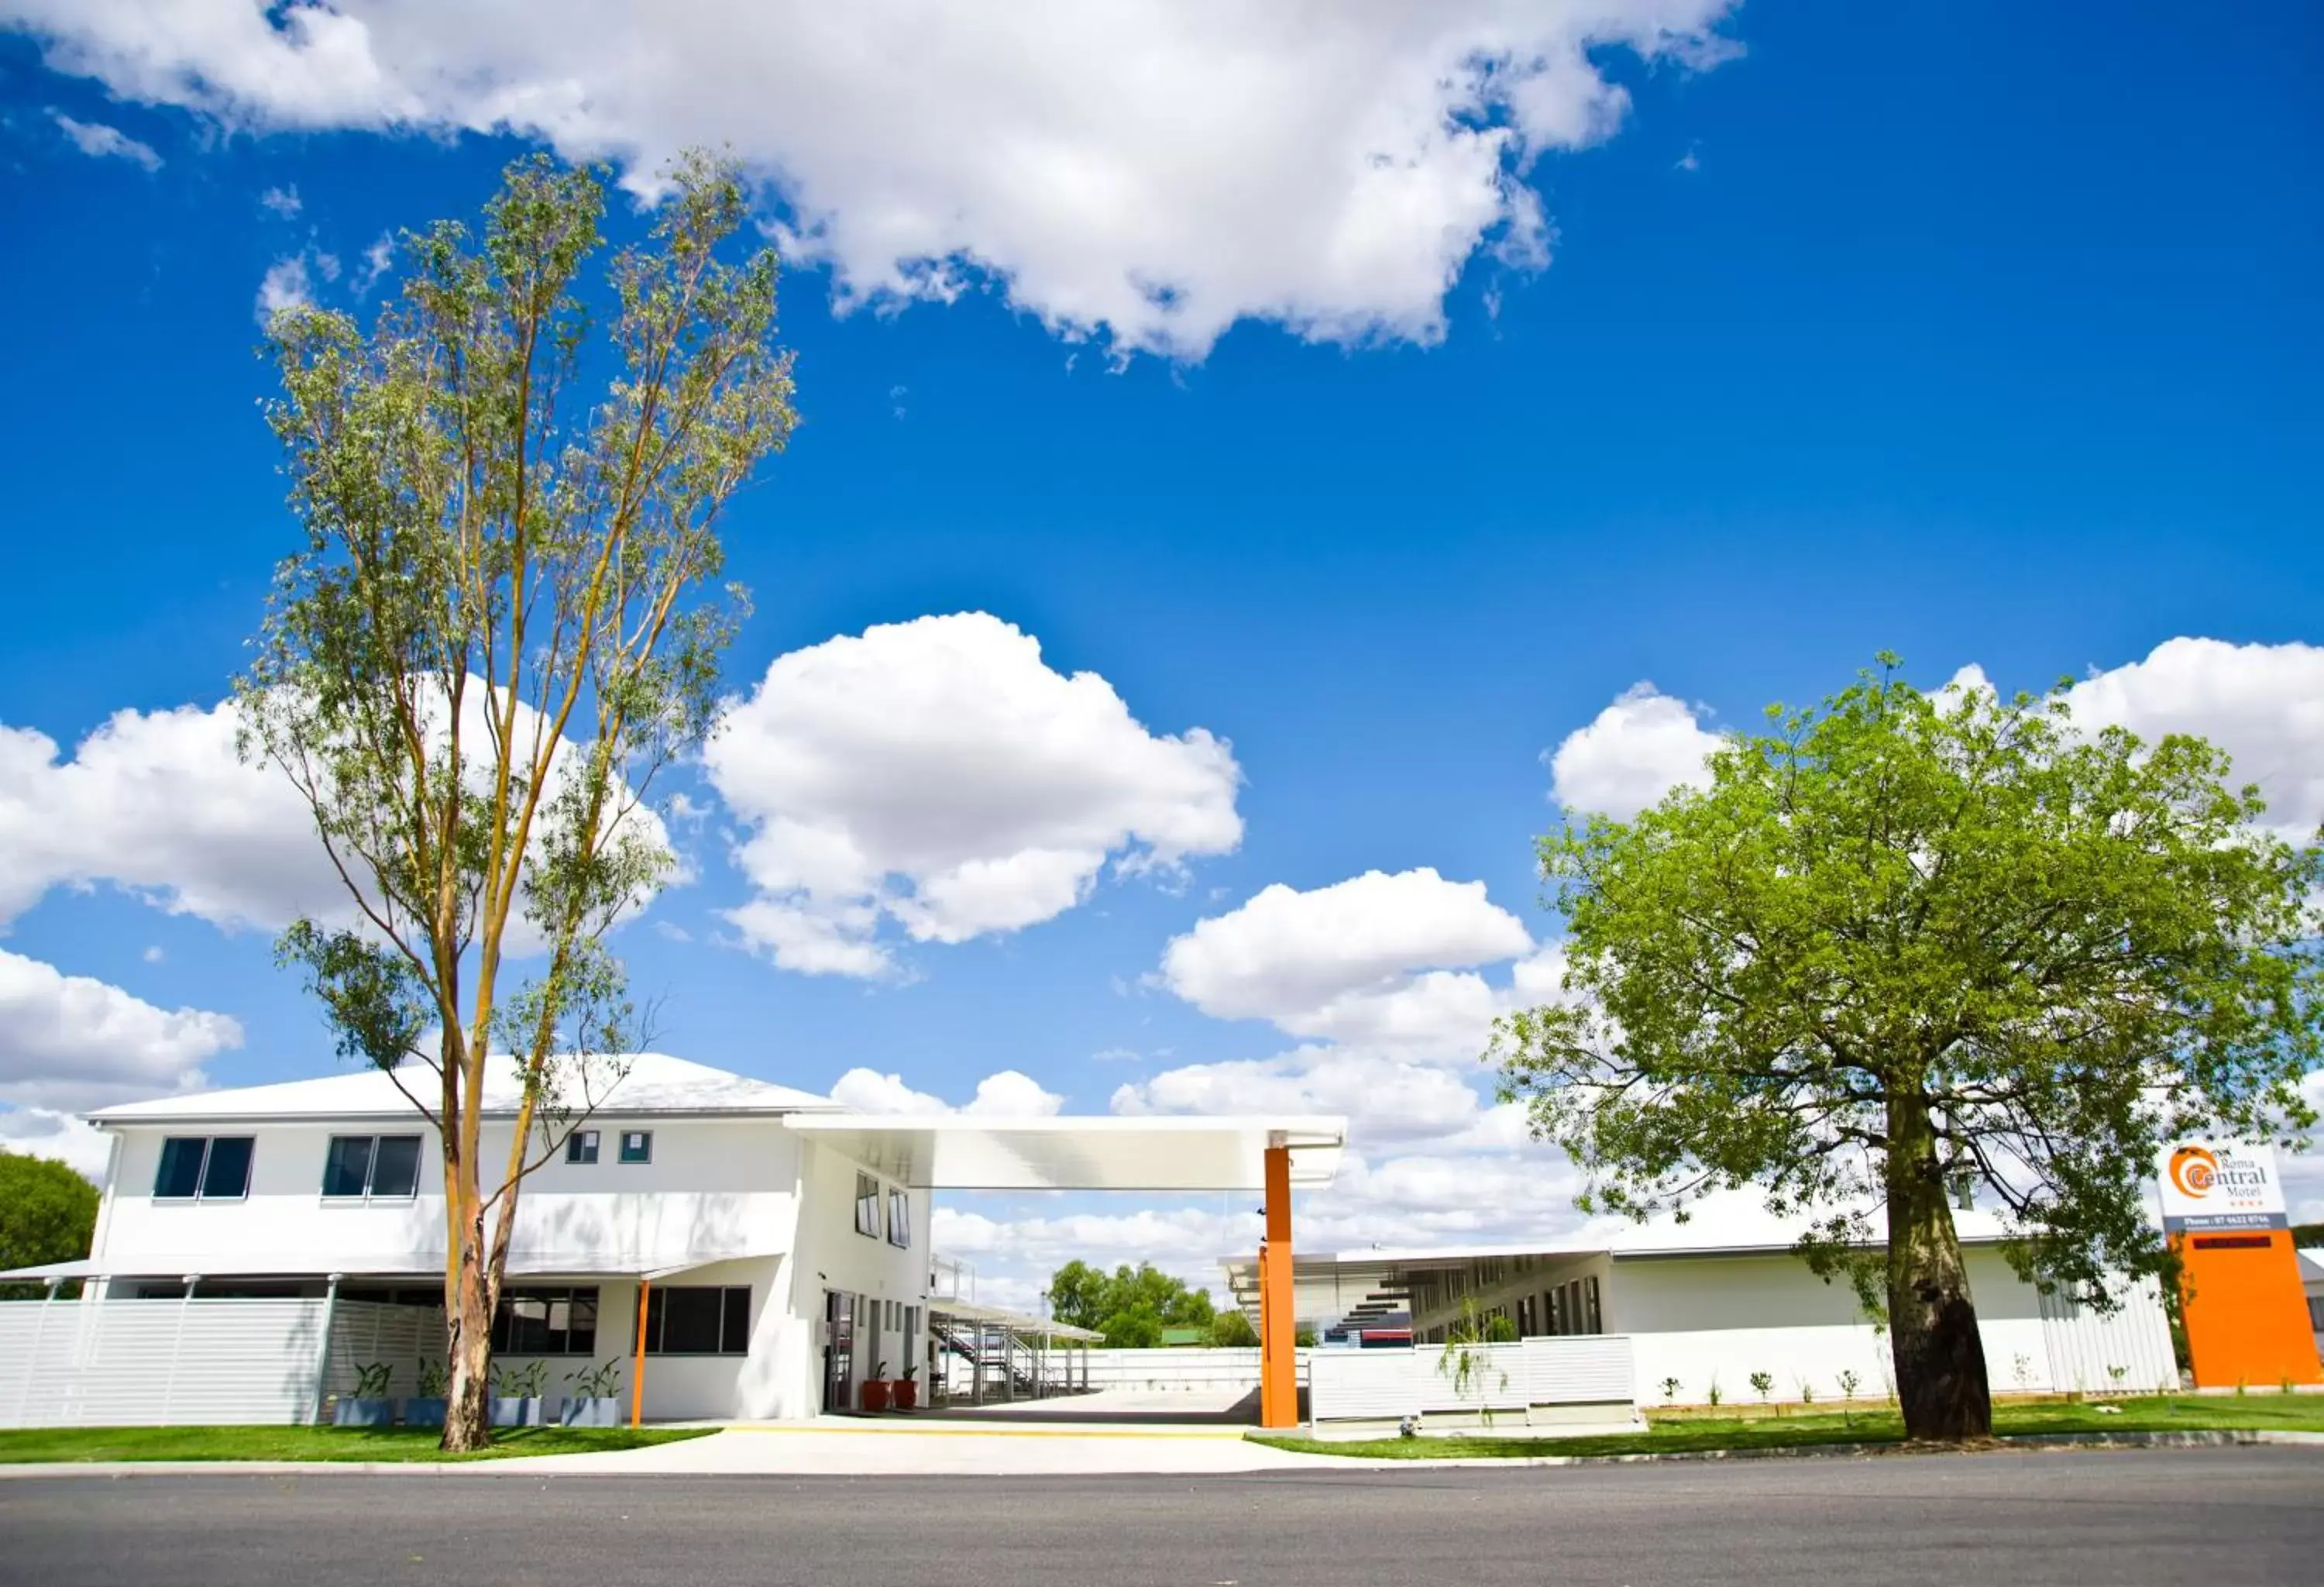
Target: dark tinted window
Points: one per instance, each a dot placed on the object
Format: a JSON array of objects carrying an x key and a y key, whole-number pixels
[
  {"x": 346, "y": 1166},
  {"x": 181, "y": 1173},
  {"x": 395, "y": 1167},
  {"x": 867, "y": 1205},
  {"x": 704, "y": 1321},
  {"x": 899, "y": 1218},
  {"x": 546, "y": 1322},
  {"x": 637, "y": 1146},
  {"x": 228, "y": 1174},
  {"x": 581, "y": 1147}
]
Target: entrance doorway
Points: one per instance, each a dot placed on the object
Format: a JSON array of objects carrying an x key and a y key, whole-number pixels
[{"x": 838, "y": 1350}]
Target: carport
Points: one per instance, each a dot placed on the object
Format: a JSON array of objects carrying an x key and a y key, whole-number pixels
[{"x": 1270, "y": 1155}]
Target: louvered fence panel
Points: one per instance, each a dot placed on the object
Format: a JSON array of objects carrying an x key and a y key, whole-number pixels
[{"x": 1583, "y": 1369}]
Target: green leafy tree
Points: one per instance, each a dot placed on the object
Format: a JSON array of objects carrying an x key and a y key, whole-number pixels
[
  {"x": 1231, "y": 1329},
  {"x": 1130, "y": 1305},
  {"x": 1904, "y": 940},
  {"x": 504, "y": 620},
  {"x": 48, "y": 1213}
]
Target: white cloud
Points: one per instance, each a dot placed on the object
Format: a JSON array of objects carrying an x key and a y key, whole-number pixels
[
  {"x": 1150, "y": 168},
  {"x": 1374, "y": 960},
  {"x": 1008, "y": 1095},
  {"x": 377, "y": 258},
  {"x": 99, "y": 141},
  {"x": 282, "y": 201},
  {"x": 2264, "y": 705},
  {"x": 285, "y": 285},
  {"x": 1633, "y": 753},
  {"x": 67, "y": 1042},
  {"x": 939, "y": 775},
  {"x": 1385, "y": 1098},
  {"x": 44, "y": 1132},
  {"x": 158, "y": 802}
]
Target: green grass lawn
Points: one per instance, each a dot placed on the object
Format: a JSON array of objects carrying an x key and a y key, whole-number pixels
[
  {"x": 1876, "y": 1425},
  {"x": 22, "y": 1445}
]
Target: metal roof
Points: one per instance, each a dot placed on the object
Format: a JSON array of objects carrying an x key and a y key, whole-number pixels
[
  {"x": 956, "y": 1151},
  {"x": 651, "y": 1084}
]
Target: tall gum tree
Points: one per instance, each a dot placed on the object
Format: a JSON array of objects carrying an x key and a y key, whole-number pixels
[
  {"x": 505, "y": 622},
  {"x": 1904, "y": 942}
]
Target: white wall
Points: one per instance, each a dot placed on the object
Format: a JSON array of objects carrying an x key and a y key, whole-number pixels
[
  {"x": 830, "y": 1255},
  {"x": 1698, "y": 1319},
  {"x": 714, "y": 1186}
]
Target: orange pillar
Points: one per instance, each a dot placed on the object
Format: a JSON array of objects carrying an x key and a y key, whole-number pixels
[
  {"x": 1278, "y": 1365},
  {"x": 638, "y": 1362}
]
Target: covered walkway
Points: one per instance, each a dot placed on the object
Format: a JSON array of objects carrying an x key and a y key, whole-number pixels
[{"x": 1176, "y": 1153}]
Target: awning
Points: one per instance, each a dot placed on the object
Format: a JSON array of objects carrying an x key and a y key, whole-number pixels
[
  {"x": 953, "y": 1151},
  {"x": 540, "y": 1265},
  {"x": 968, "y": 1311}
]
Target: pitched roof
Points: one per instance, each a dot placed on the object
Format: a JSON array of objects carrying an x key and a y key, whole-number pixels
[{"x": 652, "y": 1083}]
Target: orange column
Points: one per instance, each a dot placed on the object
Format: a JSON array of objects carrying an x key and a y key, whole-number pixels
[
  {"x": 1278, "y": 1365},
  {"x": 638, "y": 1362}
]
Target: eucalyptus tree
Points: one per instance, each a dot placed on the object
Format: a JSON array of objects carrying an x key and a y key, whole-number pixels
[
  {"x": 1903, "y": 943},
  {"x": 505, "y": 619}
]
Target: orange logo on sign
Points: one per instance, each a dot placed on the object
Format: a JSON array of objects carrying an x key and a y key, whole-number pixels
[{"x": 2194, "y": 1171}]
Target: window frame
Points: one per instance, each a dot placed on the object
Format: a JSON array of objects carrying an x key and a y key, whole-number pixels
[
  {"x": 867, "y": 1205},
  {"x": 899, "y": 1216},
  {"x": 571, "y": 1295},
  {"x": 644, "y": 1138},
  {"x": 729, "y": 1324},
  {"x": 371, "y": 1192},
  {"x": 581, "y": 1147},
  {"x": 201, "y": 1191}
]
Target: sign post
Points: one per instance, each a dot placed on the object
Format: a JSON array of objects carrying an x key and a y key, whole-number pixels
[{"x": 2240, "y": 1286}]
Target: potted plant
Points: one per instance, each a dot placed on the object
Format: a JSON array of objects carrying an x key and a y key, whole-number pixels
[
  {"x": 426, "y": 1408},
  {"x": 875, "y": 1389},
  {"x": 516, "y": 1396},
  {"x": 595, "y": 1401},
  {"x": 904, "y": 1393},
  {"x": 368, "y": 1405}
]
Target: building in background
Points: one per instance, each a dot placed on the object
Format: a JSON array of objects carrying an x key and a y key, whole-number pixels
[{"x": 1707, "y": 1304}]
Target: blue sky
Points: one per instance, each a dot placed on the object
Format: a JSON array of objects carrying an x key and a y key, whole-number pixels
[{"x": 1980, "y": 333}]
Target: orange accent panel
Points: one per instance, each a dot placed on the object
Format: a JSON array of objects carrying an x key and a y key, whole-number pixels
[
  {"x": 2245, "y": 1308},
  {"x": 638, "y": 1363},
  {"x": 1279, "y": 1336}
]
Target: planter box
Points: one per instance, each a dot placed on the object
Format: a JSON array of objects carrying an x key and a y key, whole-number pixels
[
  {"x": 424, "y": 1413},
  {"x": 873, "y": 1395},
  {"x": 351, "y": 1411},
  {"x": 601, "y": 1411},
  {"x": 904, "y": 1394},
  {"x": 516, "y": 1413}
]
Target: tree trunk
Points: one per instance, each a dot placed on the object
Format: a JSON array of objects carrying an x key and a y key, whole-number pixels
[
  {"x": 1933, "y": 1333},
  {"x": 468, "y": 1414}
]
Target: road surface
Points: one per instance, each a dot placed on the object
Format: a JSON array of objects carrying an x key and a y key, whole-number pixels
[{"x": 2175, "y": 1518}]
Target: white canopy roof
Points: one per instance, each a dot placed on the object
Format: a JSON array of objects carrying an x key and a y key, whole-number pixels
[
  {"x": 953, "y": 1151},
  {"x": 647, "y": 1082}
]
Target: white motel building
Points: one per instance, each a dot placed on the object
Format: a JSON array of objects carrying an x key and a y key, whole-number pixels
[{"x": 254, "y": 1246}]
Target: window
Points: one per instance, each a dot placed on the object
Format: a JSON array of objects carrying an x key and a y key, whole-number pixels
[
  {"x": 1596, "y": 1321},
  {"x": 707, "y": 1320},
  {"x": 203, "y": 1167},
  {"x": 867, "y": 1205},
  {"x": 581, "y": 1147},
  {"x": 900, "y": 1219},
  {"x": 557, "y": 1321},
  {"x": 386, "y": 1166},
  {"x": 637, "y": 1146}
]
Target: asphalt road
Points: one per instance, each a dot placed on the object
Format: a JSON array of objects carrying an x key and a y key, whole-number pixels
[{"x": 2245, "y": 1516}]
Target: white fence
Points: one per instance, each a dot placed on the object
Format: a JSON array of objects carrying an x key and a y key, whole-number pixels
[
  {"x": 1162, "y": 1370},
  {"x": 1527, "y": 1378},
  {"x": 174, "y": 1362}
]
